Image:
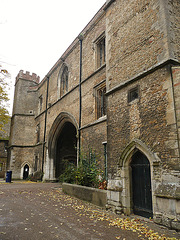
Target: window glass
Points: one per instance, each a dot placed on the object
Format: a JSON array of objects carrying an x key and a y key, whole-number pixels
[
  {"x": 133, "y": 94},
  {"x": 101, "y": 102}
]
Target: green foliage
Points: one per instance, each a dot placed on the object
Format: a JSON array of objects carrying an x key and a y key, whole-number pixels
[
  {"x": 4, "y": 115},
  {"x": 4, "y": 119},
  {"x": 86, "y": 174},
  {"x": 68, "y": 172}
]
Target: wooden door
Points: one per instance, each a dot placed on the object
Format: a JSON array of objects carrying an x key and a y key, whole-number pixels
[{"x": 141, "y": 185}]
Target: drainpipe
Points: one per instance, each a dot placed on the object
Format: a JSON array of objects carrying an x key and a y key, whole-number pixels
[
  {"x": 44, "y": 139},
  {"x": 80, "y": 37},
  {"x": 105, "y": 159}
]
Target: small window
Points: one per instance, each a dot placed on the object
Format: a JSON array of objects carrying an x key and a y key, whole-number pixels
[
  {"x": 133, "y": 94},
  {"x": 64, "y": 81},
  {"x": 38, "y": 133},
  {"x": 40, "y": 103},
  {"x": 5, "y": 147},
  {"x": 101, "y": 52},
  {"x": 100, "y": 101}
]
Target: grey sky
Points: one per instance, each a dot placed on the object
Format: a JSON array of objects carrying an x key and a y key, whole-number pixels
[{"x": 35, "y": 33}]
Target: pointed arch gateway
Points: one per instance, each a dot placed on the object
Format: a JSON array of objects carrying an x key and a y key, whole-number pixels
[
  {"x": 136, "y": 163},
  {"x": 62, "y": 145}
]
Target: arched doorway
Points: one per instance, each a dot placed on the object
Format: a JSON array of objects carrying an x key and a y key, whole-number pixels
[
  {"x": 61, "y": 145},
  {"x": 26, "y": 172},
  {"x": 66, "y": 149},
  {"x": 141, "y": 185}
]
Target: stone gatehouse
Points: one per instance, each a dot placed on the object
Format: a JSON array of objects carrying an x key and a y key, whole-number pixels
[{"x": 116, "y": 89}]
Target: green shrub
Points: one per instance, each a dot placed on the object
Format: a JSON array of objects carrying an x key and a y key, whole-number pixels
[
  {"x": 68, "y": 174},
  {"x": 86, "y": 174}
]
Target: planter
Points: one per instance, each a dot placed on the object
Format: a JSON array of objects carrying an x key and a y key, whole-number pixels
[{"x": 92, "y": 195}]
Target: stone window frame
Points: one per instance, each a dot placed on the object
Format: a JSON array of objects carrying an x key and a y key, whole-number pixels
[
  {"x": 133, "y": 94},
  {"x": 63, "y": 80},
  {"x": 100, "y": 50},
  {"x": 100, "y": 100},
  {"x": 40, "y": 103},
  {"x": 38, "y": 132}
]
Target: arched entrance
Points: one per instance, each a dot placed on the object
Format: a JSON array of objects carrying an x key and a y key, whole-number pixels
[
  {"x": 61, "y": 145},
  {"x": 127, "y": 158},
  {"x": 26, "y": 172},
  {"x": 66, "y": 149},
  {"x": 141, "y": 185}
]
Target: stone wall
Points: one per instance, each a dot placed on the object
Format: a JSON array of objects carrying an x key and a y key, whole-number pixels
[
  {"x": 92, "y": 195},
  {"x": 19, "y": 157},
  {"x": 68, "y": 104},
  {"x": 173, "y": 24},
  {"x": 176, "y": 89},
  {"x": 142, "y": 38},
  {"x": 167, "y": 207},
  {"x": 23, "y": 134},
  {"x": 92, "y": 138},
  {"x": 138, "y": 37},
  {"x": 23, "y": 127},
  {"x": 142, "y": 54},
  {"x": 3, "y": 157},
  {"x": 25, "y": 101},
  {"x": 151, "y": 118},
  {"x": 29, "y": 94}
]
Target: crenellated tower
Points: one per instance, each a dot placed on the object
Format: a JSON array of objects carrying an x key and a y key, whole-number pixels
[
  {"x": 24, "y": 97},
  {"x": 23, "y": 128}
]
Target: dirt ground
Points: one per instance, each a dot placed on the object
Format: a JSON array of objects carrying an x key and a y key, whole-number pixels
[{"x": 42, "y": 211}]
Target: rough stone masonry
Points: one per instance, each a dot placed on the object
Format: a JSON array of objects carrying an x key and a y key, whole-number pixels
[{"x": 115, "y": 90}]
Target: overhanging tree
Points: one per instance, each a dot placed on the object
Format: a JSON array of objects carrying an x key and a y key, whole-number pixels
[{"x": 4, "y": 114}]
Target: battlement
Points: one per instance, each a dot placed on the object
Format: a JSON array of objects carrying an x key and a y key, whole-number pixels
[{"x": 28, "y": 76}]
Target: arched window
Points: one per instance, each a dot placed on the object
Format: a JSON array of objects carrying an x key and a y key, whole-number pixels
[{"x": 64, "y": 81}]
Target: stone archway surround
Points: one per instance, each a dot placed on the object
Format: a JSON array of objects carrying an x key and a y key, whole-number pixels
[
  {"x": 62, "y": 118},
  {"x": 120, "y": 194},
  {"x": 22, "y": 168}
]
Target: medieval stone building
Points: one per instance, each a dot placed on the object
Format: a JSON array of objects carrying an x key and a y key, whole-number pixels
[
  {"x": 116, "y": 88},
  {"x": 3, "y": 157}
]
